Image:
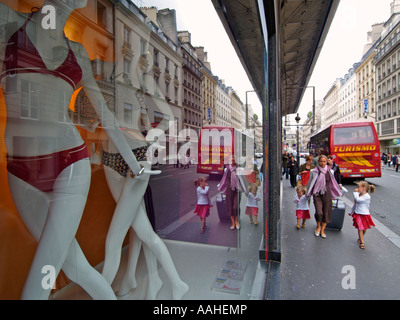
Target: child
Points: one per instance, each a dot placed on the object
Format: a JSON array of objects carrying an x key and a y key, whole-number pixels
[
  {"x": 203, "y": 202},
  {"x": 252, "y": 203},
  {"x": 302, "y": 208},
  {"x": 360, "y": 211}
]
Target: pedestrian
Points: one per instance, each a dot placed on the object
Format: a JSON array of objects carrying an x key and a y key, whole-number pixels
[
  {"x": 398, "y": 163},
  {"x": 252, "y": 203},
  {"x": 293, "y": 168},
  {"x": 362, "y": 220},
  {"x": 230, "y": 186},
  {"x": 203, "y": 202},
  {"x": 305, "y": 170},
  {"x": 302, "y": 208},
  {"x": 324, "y": 188},
  {"x": 336, "y": 170},
  {"x": 285, "y": 159},
  {"x": 394, "y": 160}
]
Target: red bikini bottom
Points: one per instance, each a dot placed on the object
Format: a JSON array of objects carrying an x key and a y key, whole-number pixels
[{"x": 42, "y": 171}]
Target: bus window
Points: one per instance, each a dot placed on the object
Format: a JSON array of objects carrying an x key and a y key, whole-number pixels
[{"x": 353, "y": 135}]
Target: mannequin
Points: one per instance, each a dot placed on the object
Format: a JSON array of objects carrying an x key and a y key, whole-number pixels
[
  {"x": 47, "y": 161},
  {"x": 131, "y": 212}
]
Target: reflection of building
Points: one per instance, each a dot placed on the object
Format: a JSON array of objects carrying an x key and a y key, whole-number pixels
[
  {"x": 223, "y": 105},
  {"x": 192, "y": 84},
  {"x": 209, "y": 89},
  {"x": 237, "y": 113}
]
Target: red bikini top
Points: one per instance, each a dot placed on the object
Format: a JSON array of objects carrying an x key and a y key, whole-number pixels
[{"x": 21, "y": 56}]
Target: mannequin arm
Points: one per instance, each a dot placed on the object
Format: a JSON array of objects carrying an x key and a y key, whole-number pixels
[{"x": 107, "y": 118}]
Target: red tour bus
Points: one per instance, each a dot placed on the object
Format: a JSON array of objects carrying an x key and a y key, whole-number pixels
[
  {"x": 354, "y": 146},
  {"x": 218, "y": 144}
]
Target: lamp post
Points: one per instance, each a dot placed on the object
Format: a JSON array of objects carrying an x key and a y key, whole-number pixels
[
  {"x": 313, "y": 107},
  {"x": 298, "y": 139}
]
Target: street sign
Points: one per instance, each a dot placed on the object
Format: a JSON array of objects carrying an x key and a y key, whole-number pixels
[
  {"x": 365, "y": 105},
  {"x": 209, "y": 113}
]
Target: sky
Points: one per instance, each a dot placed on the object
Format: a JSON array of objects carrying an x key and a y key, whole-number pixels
[{"x": 342, "y": 48}]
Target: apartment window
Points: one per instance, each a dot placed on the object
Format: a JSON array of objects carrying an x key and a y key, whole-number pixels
[
  {"x": 127, "y": 37},
  {"x": 166, "y": 65},
  {"x": 143, "y": 47},
  {"x": 155, "y": 58},
  {"x": 30, "y": 101},
  {"x": 379, "y": 113},
  {"x": 101, "y": 14},
  {"x": 127, "y": 66},
  {"x": 384, "y": 111},
  {"x": 387, "y": 127},
  {"x": 144, "y": 119},
  {"x": 128, "y": 113},
  {"x": 176, "y": 72},
  {"x": 156, "y": 87}
]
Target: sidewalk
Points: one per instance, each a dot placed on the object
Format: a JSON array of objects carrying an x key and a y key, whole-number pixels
[
  {"x": 197, "y": 264},
  {"x": 315, "y": 268}
]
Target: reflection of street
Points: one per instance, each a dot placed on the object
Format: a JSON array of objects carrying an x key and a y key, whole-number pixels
[{"x": 174, "y": 196}]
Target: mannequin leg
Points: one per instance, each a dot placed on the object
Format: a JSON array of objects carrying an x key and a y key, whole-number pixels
[
  {"x": 57, "y": 220},
  {"x": 129, "y": 281},
  {"x": 131, "y": 196},
  {"x": 155, "y": 283},
  {"x": 78, "y": 269},
  {"x": 145, "y": 232},
  {"x": 117, "y": 184}
]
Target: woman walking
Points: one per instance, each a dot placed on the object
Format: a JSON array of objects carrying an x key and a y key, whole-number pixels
[{"x": 323, "y": 187}]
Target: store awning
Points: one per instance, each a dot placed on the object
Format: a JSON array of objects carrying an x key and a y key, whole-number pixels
[{"x": 301, "y": 31}]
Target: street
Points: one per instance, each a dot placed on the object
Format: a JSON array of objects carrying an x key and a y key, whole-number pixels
[
  {"x": 175, "y": 198},
  {"x": 385, "y": 200},
  {"x": 316, "y": 268}
]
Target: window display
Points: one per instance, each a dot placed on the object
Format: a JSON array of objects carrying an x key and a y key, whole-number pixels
[{"x": 97, "y": 162}]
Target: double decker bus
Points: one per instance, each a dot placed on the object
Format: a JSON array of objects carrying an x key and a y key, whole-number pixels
[
  {"x": 218, "y": 144},
  {"x": 354, "y": 146}
]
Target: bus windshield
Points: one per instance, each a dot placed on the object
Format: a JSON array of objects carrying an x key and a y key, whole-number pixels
[{"x": 353, "y": 135}]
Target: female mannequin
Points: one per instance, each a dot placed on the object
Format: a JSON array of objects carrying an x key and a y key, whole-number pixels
[
  {"x": 47, "y": 161},
  {"x": 131, "y": 212}
]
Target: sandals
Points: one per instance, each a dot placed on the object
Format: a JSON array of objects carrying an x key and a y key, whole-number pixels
[{"x": 361, "y": 244}]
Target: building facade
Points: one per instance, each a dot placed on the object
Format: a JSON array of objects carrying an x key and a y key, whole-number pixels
[
  {"x": 209, "y": 90},
  {"x": 192, "y": 106},
  {"x": 347, "y": 94},
  {"x": 387, "y": 65},
  {"x": 223, "y": 105}
]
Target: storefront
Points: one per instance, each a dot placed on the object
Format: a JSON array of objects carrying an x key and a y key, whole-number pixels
[{"x": 88, "y": 87}]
